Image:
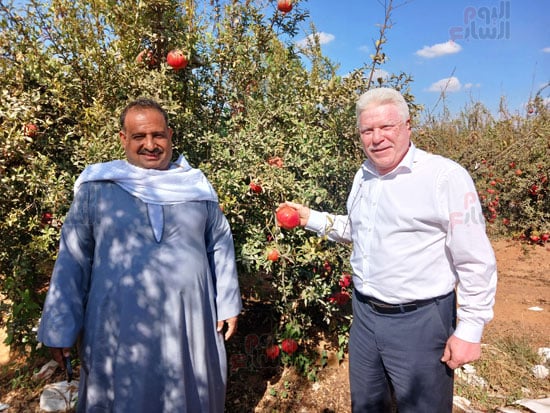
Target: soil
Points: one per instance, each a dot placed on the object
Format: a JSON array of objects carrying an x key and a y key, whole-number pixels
[{"x": 256, "y": 386}]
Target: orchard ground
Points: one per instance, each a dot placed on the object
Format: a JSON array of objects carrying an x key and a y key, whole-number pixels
[{"x": 524, "y": 283}]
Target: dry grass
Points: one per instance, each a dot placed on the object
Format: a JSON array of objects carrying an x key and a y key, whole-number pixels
[{"x": 506, "y": 368}]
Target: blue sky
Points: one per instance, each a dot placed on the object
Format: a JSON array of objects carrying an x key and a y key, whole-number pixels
[{"x": 445, "y": 42}]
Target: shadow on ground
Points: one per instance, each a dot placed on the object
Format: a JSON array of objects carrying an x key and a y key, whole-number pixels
[{"x": 250, "y": 371}]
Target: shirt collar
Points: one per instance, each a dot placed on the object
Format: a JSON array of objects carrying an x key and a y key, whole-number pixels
[{"x": 404, "y": 166}]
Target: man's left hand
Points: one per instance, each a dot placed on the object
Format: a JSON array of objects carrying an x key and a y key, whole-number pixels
[
  {"x": 231, "y": 327},
  {"x": 459, "y": 352}
]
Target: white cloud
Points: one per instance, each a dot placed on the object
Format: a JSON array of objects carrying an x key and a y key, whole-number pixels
[
  {"x": 322, "y": 37},
  {"x": 546, "y": 49},
  {"x": 447, "y": 85},
  {"x": 439, "y": 49},
  {"x": 364, "y": 49},
  {"x": 472, "y": 85},
  {"x": 325, "y": 38}
]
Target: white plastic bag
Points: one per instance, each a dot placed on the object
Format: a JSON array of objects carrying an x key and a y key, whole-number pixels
[
  {"x": 59, "y": 397},
  {"x": 46, "y": 371}
]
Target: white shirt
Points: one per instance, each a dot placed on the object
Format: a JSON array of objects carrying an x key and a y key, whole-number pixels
[{"x": 418, "y": 232}]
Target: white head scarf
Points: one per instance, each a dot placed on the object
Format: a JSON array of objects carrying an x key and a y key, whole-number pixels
[{"x": 180, "y": 183}]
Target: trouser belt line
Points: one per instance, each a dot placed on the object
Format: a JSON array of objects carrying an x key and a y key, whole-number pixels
[{"x": 386, "y": 308}]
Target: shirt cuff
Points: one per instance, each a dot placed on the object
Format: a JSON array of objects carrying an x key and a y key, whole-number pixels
[
  {"x": 316, "y": 222},
  {"x": 469, "y": 332}
]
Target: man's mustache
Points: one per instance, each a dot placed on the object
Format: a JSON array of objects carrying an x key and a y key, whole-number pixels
[{"x": 156, "y": 151}]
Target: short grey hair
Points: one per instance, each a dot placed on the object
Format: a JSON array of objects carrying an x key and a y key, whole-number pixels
[{"x": 382, "y": 96}]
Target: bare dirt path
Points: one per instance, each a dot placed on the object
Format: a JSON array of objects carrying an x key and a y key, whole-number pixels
[{"x": 4, "y": 351}]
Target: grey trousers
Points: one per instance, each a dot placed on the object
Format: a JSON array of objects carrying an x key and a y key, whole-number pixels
[{"x": 395, "y": 362}]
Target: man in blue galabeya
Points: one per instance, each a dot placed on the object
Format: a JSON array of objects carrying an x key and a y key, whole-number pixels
[{"x": 145, "y": 283}]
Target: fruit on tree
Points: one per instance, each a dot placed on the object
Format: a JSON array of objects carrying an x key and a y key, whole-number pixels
[
  {"x": 276, "y": 161},
  {"x": 47, "y": 218},
  {"x": 272, "y": 352},
  {"x": 177, "y": 59},
  {"x": 273, "y": 254},
  {"x": 340, "y": 298},
  {"x": 289, "y": 345},
  {"x": 345, "y": 281},
  {"x": 255, "y": 188},
  {"x": 288, "y": 217},
  {"x": 284, "y": 6},
  {"x": 31, "y": 130},
  {"x": 146, "y": 57}
]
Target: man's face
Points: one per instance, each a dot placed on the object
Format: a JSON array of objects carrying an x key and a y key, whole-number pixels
[
  {"x": 146, "y": 139},
  {"x": 384, "y": 135}
]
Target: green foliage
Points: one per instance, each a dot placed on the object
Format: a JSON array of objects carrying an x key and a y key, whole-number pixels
[
  {"x": 247, "y": 109},
  {"x": 69, "y": 67}
]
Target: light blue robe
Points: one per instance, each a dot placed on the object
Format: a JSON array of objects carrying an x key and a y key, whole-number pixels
[{"x": 145, "y": 311}]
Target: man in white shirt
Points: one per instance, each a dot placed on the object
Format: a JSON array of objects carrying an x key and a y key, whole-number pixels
[{"x": 419, "y": 246}]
